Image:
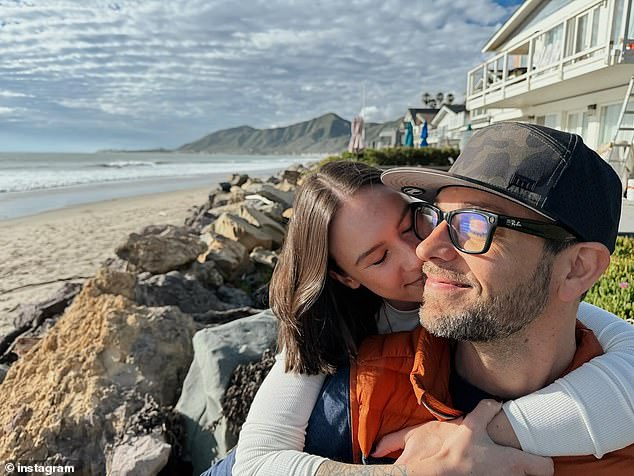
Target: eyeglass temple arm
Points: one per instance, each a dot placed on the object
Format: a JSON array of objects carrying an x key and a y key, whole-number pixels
[{"x": 549, "y": 231}]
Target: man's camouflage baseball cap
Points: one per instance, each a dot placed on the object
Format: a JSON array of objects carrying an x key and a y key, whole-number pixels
[{"x": 549, "y": 171}]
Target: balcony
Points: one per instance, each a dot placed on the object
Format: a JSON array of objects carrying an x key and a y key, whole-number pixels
[{"x": 553, "y": 64}]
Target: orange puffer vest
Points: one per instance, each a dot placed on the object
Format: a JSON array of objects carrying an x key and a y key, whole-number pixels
[{"x": 402, "y": 379}]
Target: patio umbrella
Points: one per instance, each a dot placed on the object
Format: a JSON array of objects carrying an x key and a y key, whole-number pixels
[
  {"x": 423, "y": 135},
  {"x": 356, "y": 136},
  {"x": 409, "y": 135}
]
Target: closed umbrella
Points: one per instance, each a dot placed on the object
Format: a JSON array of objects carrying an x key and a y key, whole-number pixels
[
  {"x": 409, "y": 135},
  {"x": 356, "y": 145},
  {"x": 423, "y": 135}
]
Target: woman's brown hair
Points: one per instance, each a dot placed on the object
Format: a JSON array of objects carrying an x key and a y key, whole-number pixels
[{"x": 321, "y": 320}]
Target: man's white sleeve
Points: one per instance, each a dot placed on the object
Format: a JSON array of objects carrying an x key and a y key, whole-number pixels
[
  {"x": 272, "y": 437},
  {"x": 590, "y": 410}
]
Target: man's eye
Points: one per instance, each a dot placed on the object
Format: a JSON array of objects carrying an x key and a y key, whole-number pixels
[{"x": 381, "y": 260}]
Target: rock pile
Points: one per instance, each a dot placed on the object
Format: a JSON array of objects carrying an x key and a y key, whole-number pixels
[{"x": 96, "y": 387}]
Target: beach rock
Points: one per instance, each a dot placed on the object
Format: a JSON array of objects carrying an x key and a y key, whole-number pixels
[
  {"x": 174, "y": 289},
  {"x": 74, "y": 392},
  {"x": 251, "y": 181},
  {"x": 206, "y": 274},
  {"x": 261, "y": 297},
  {"x": 159, "y": 249},
  {"x": 265, "y": 257},
  {"x": 224, "y": 186},
  {"x": 238, "y": 179},
  {"x": 117, "y": 283},
  {"x": 212, "y": 317},
  {"x": 265, "y": 217},
  {"x": 33, "y": 315},
  {"x": 200, "y": 219},
  {"x": 230, "y": 257},
  {"x": 272, "y": 193},
  {"x": 291, "y": 176},
  {"x": 259, "y": 205},
  {"x": 118, "y": 264},
  {"x": 240, "y": 230},
  {"x": 272, "y": 180},
  {"x": 35, "y": 320},
  {"x": 4, "y": 368},
  {"x": 217, "y": 352},
  {"x": 225, "y": 198},
  {"x": 234, "y": 296},
  {"x": 143, "y": 455}
]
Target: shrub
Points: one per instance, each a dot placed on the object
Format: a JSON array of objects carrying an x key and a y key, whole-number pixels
[
  {"x": 424, "y": 156},
  {"x": 614, "y": 292}
]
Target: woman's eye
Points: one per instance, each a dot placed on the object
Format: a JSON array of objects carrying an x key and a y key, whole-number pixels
[{"x": 381, "y": 260}]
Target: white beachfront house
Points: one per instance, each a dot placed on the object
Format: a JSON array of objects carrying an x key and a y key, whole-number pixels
[
  {"x": 448, "y": 126},
  {"x": 561, "y": 63}
]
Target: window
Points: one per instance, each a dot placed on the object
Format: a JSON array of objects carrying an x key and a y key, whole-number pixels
[
  {"x": 548, "y": 47},
  {"x": 582, "y": 42},
  {"x": 594, "y": 32},
  {"x": 609, "y": 118},
  {"x": 577, "y": 123},
  {"x": 549, "y": 120}
]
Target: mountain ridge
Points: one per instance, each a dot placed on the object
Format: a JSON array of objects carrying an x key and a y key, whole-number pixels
[{"x": 328, "y": 133}]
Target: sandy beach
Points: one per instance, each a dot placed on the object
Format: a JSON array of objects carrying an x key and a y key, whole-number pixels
[{"x": 39, "y": 253}]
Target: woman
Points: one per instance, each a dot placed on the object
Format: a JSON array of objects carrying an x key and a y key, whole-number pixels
[{"x": 348, "y": 269}]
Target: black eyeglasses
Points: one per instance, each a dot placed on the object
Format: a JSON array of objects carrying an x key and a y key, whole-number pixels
[{"x": 471, "y": 230}]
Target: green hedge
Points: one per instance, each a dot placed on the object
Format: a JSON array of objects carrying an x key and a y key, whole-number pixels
[
  {"x": 402, "y": 156},
  {"x": 614, "y": 292}
]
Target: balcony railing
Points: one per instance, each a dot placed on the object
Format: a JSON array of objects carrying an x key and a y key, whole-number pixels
[{"x": 572, "y": 41}]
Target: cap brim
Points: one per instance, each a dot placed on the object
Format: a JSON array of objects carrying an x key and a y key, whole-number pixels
[{"x": 425, "y": 184}]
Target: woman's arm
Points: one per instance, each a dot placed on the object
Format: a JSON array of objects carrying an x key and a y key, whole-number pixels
[
  {"x": 272, "y": 437},
  {"x": 590, "y": 410}
]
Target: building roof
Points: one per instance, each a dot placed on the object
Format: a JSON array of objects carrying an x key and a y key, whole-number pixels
[
  {"x": 445, "y": 109},
  {"x": 420, "y": 114},
  {"x": 457, "y": 108},
  {"x": 518, "y": 17}
]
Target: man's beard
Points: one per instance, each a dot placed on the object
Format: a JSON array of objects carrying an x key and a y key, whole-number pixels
[{"x": 495, "y": 317}]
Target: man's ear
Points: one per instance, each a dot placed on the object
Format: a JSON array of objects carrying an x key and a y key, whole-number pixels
[
  {"x": 585, "y": 263},
  {"x": 344, "y": 279}
]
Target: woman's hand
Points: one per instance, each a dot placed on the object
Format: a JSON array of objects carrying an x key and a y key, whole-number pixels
[{"x": 461, "y": 447}]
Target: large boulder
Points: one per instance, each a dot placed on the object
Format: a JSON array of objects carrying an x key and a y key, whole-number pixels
[
  {"x": 159, "y": 249},
  {"x": 230, "y": 257},
  {"x": 143, "y": 455},
  {"x": 240, "y": 230},
  {"x": 284, "y": 198},
  {"x": 266, "y": 217},
  {"x": 217, "y": 352},
  {"x": 73, "y": 393},
  {"x": 174, "y": 289}
]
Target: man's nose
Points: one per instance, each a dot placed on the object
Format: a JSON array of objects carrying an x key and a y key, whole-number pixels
[{"x": 437, "y": 245}]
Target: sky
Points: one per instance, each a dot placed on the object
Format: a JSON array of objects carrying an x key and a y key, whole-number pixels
[{"x": 86, "y": 75}]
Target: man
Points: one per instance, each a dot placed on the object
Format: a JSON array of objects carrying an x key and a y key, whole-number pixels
[{"x": 519, "y": 229}]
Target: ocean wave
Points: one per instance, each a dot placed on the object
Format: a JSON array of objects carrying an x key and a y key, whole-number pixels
[{"x": 119, "y": 164}]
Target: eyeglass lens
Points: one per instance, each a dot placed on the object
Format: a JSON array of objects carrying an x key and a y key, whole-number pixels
[{"x": 468, "y": 230}]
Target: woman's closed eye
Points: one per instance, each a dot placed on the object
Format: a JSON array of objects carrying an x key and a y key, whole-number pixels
[{"x": 381, "y": 260}]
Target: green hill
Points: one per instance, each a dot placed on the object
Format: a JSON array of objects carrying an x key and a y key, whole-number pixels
[{"x": 326, "y": 134}]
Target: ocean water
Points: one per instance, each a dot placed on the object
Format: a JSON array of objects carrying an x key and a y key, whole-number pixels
[{"x": 34, "y": 183}]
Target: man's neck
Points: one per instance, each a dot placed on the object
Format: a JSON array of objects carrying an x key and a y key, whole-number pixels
[{"x": 524, "y": 362}]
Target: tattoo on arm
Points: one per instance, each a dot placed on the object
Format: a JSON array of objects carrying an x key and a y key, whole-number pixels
[{"x": 333, "y": 468}]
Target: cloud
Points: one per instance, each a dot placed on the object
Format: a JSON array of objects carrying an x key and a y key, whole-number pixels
[{"x": 174, "y": 71}]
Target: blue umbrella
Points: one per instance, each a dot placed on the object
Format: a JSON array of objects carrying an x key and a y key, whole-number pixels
[
  {"x": 423, "y": 135},
  {"x": 409, "y": 136}
]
